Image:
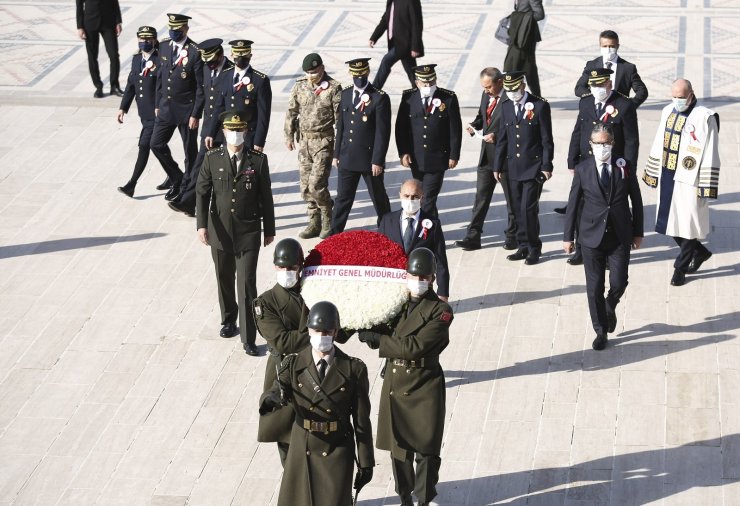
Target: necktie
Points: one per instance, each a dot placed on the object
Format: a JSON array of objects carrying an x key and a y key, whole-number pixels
[
  {"x": 408, "y": 235},
  {"x": 143, "y": 64},
  {"x": 519, "y": 109},
  {"x": 608, "y": 65},
  {"x": 599, "y": 110},
  {"x": 426, "y": 105},
  {"x": 234, "y": 162},
  {"x": 605, "y": 177},
  {"x": 322, "y": 369},
  {"x": 236, "y": 78},
  {"x": 357, "y": 98},
  {"x": 489, "y": 110}
]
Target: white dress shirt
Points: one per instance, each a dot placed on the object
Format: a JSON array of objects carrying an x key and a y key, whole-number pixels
[{"x": 329, "y": 359}]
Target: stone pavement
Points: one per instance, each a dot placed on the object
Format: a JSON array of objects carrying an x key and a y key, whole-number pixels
[{"x": 116, "y": 389}]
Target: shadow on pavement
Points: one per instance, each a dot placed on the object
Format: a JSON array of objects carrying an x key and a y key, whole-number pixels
[{"x": 56, "y": 245}]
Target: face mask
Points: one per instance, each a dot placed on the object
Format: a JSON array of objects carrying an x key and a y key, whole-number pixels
[
  {"x": 321, "y": 342},
  {"x": 417, "y": 287},
  {"x": 600, "y": 93},
  {"x": 681, "y": 104},
  {"x": 287, "y": 279},
  {"x": 234, "y": 138},
  {"x": 146, "y": 46},
  {"x": 515, "y": 96},
  {"x": 213, "y": 64},
  {"x": 602, "y": 152},
  {"x": 176, "y": 35},
  {"x": 360, "y": 81},
  {"x": 608, "y": 53},
  {"x": 313, "y": 78},
  {"x": 241, "y": 61},
  {"x": 410, "y": 206},
  {"x": 428, "y": 91}
]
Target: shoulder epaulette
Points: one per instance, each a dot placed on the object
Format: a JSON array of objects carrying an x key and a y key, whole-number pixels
[
  {"x": 227, "y": 68},
  {"x": 214, "y": 151},
  {"x": 380, "y": 91},
  {"x": 587, "y": 94},
  {"x": 253, "y": 152},
  {"x": 410, "y": 90},
  {"x": 444, "y": 90},
  {"x": 166, "y": 39},
  {"x": 304, "y": 78},
  {"x": 621, "y": 94},
  {"x": 258, "y": 73},
  {"x": 355, "y": 359}
]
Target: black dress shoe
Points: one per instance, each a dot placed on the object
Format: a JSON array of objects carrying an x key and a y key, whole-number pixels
[
  {"x": 611, "y": 319},
  {"x": 520, "y": 254},
  {"x": 229, "y": 330},
  {"x": 468, "y": 244},
  {"x": 698, "y": 260},
  {"x": 127, "y": 189},
  {"x": 181, "y": 207},
  {"x": 116, "y": 90},
  {"x": 166, "y": 184},
  {"x": 98, "y": 93},
  {"x": 576, "y": 259},
  {"x": 251, "y": 350},
  {"x": 172, "y": 194},
  {"x": 600, "y": 342},
  {"x": 679, "y": 278},
  {"x": 532, "y": 258},
  {"x": 510, "y": 244},
  {"x": 561, "y": 210}
]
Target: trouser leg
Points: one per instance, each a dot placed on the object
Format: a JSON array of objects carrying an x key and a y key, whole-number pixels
[
  {"x": 687, "y": 252},
  {"x": 408, "y": 66},
  {"x": 619, "y": 260},
  {"x": 322, "y": 151},
  {"x": 510, "y": 230},
  {"x": 246, "y": 281},
  {"x": 110, "y": 39},
  {"x": 189, "y": 145},
  {"x": 378, "y": 195},
  {"x": 161, "y": 135},
  {"x": 92, "y": 45},
  {"x": 594, "y": 264},
  {"x": 431, "y": 185},
  {"x": 190, "y": 179},
  {"x": 530, "y": 208},
  {"x": 485, "y": 183},
  {"x": 384, "y": 70},
  {"x": 404, "y": 476},
  {"x": 225, "y": 265},
  {"x": 346, "y": 189},
  {"x": 427, "y": 476}
]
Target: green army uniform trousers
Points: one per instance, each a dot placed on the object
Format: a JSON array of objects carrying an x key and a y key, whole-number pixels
[{"x": 314, "y": 164}]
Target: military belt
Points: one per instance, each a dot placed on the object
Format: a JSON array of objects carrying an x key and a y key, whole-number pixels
[
  {"x": 419, "y": 363},
  {"x": 311, "y": 426},
  {"x": 318, "y": 135}
]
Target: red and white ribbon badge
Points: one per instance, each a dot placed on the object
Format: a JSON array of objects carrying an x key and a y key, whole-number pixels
[
  {"x": 245, "y": 81},
  {"x": 321, "y": 87},
  {"x": 182, "y": 55},
  {"x": 425, "y": 226}
]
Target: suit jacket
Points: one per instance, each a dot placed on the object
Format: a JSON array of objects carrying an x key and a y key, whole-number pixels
[
  {"x": 623, "y": 123},
  {"x": 363, "y": 135},
  {"x": 626, "y": 79},
  {"x": 142, "y": 86},
  {"x": 408, "y": 25},
  {"x": 255, "y": 97},
  {"x": 488, "y": 150},
  {"x": 178, "y": 84},
  {"x": 431, "y": 138},
  {"x": 97, "y": 14},
  {"x": 231, "y": 203},
  {"x": 390, "y": 226},
  {"x": 525, "y": 147},
  {"x": 602, "y": 208},
  {"x": 534, "y": 6},
  {"x": 205, "y": 103}
]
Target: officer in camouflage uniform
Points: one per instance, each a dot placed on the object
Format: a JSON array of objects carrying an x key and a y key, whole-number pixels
[
  {"x": 312, "y": 114},
  {"x": 233, "y": 207},
  {"x": 413, "y": 394}
]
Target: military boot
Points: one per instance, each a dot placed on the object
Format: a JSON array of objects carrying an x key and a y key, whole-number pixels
[
  {"x": 313, "y": 228},
  {"x": 325, "y": 222}
]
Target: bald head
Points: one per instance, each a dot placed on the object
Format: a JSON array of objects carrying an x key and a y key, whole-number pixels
[
  {"x": 681, "y": 88},
  {"x": 411, "y": 187}
]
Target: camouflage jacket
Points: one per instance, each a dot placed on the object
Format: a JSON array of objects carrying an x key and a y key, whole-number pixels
[{"x": 312, "y": 110}]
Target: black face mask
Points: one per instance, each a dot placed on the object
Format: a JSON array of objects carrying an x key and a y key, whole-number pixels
[
  {"x": 360, "y": 81},
  {"x": 146, "y": 46},
  {"x": 176, "y": 35},
  {"x": 213, "y": 64},
  {"x": 241, "y": 61}
]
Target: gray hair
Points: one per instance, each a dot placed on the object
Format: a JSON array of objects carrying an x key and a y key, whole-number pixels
[
  {"x": 492, "y": 72},
  {"x": 601, "y": 128}
]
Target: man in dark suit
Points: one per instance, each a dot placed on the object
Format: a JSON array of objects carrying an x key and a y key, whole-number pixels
[
  {"x": 607, "y": 185},
  {"x": 178, "y": 88},
  {"x": 625, "y": 77},
  {"x": 524, "y": 152},
  {"x": 214, "y": 65},
  {"x": 525, "y": 34},
  {"x": 411, "y": 227},
  {"x": 234, "y": 206},
  {"x": 429, "y": 133},
  {"x": 97, "y": 18},
  {"x": 403, "y": 21},
  {"x": 605, "y": 106},
  {"x": 363, "y": 135},
  {"x": 243, "y": 87},
  {"x": 487, "y": 123}
]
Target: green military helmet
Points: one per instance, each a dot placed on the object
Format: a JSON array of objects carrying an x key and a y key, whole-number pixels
[
  {"x": 323, "y": 316},
  {"x": 422, "y": 262},
  {"x": 288, "y": 252}
]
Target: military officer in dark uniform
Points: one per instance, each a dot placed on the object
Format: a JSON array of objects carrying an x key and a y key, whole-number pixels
[
  {"x": 214, "y": 64},
  {"x": 234, "y": 205},
  {"x": 607, "y": 106},
  {"x": 363, "y": 135},
  {"x": 179, "y": 83},
  {"x": 243, "y": 87},
  {"x": 413, "y": 395},
  {"x": 429, "y": 133},
  {"x": 142, "y": 86},
  {"x": 524, "y": 152},
  {"x": 325, "y": 387}
]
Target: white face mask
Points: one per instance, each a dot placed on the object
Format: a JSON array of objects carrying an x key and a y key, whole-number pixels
[
  {"x": 417, "y": 287},
  {"x": 234, "y": 138},
  {"x": 321, "y": 342},
  {"x": 681, "y": 104},
  {"x": 602, "y": 152},
  {"x": 600, "y": 93},
  {"x": 515, "y": 96},
  {"x": 410, "y": 206},
  {"x": 428, "y": 91},
  {"x": 609, "y": 53},
  {"x": 287, "y": 279}
]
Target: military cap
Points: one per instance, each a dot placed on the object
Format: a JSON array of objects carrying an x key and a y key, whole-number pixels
[
  {"x": 599, "y": 76},
  {"x": 359, "y": 66},
  {"x": 241, "y": 47},
  {"x": 146, "y": 32},
  {"x": 177, "y": 20},
  {"x": 426, "y": 73},
  {"x": 209, "y": 48},
  {"x": 323, "y": 316},
  {"x": 421, "y": 262},
  {"x": 513, "y": 79},
  {"x": 288, "y": 252},
  {"x": 312, "y": 61},
  {"x": 235, "y": 120}
]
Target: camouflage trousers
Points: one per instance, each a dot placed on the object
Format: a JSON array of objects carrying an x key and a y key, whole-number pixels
[{"x": 314, "y": 166}]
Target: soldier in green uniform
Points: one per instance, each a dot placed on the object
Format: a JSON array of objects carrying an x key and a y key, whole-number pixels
[
  {"x": 312, "y": 113},
  {"x": 234, "y": 207},
  {"x": 325, "y": 387},
  {"x": 413, "y": 392}
]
